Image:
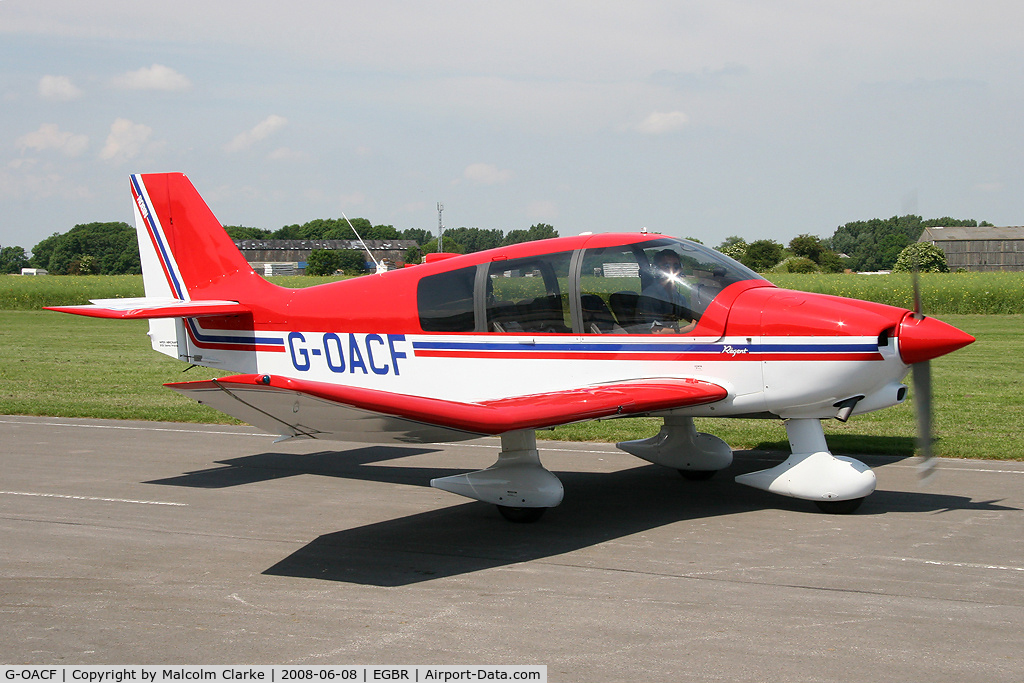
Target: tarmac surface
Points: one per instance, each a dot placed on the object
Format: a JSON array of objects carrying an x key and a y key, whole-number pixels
[{"x": 152, "y": 543}]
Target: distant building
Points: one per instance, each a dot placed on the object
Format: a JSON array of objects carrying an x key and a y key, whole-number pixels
[
  {"x": 34, "y": 271},
  {"x": 265, "y": 256},
  {"x": 979, "y": 249}
]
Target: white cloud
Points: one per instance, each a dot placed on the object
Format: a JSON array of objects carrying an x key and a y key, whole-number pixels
[
  {"x": 40, "y": 186},
  {"x": 50, "y": 137},
  {"x": 58, "y": 89},
  {"x": 660, "y": 122},
  {"x": 260, "y": 131},
  {"x": 125, "y": 141},
  {"x": 486, "y": 174},
  {"x": 156, "y": 77}
]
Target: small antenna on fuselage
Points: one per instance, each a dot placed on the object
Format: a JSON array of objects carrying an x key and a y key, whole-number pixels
[{"x": 369, "y": 253}]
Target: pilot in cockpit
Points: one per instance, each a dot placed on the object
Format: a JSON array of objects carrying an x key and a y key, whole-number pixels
[{"x": 664, "y": 306}]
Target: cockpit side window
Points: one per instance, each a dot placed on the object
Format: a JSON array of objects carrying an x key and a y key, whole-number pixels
[
  {"x": 445, "y": 301},
  {"x": 529, "y": 295}
]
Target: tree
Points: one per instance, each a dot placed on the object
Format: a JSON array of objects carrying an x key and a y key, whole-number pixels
[
  {"x": 798, "y": 264},
  {"x": 83, "y": 265},
  {"x": 808, "y": 246},
  {"x": 733, "y": 246},
  {"x": 239, "y": 232},
  {"x": 876, "y": 244},
  {"x": 113, "y": 247},
  {"x": 921, "y": 256},
  {"x": 540, "y": 231},
  {"x": 419, "y": 234},
  {"x": 13, "y": 259},
  {"x": 414, "y": 254},
  {"x": 353, "y": 261},
  {"x": 814, "y": 248},
  {"x": 761, "y": 255},
  {"x": 287, "y": 232},
  {"x": 450, "y": 246},
  {"x": 381, "y": 232},
  {"x": 831, "y": 262},
  {"x": 475, "y": 239},
  {"x": 323, "y": 262}
]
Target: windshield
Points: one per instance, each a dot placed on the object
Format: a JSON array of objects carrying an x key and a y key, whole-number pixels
[{"x": 662, "y": 285}]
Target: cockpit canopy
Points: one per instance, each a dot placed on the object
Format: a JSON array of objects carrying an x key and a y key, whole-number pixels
[{"x": 626, "y": 287}]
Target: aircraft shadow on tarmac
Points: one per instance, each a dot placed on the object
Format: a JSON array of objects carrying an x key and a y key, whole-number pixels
[{"x": 470, "y": 537}]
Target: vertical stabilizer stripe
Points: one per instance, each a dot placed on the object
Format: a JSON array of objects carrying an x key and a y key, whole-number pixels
[{"x": 144, "y": 205}]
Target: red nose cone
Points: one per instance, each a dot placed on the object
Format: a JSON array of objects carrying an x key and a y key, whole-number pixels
[{"x": 925, "y": 338}]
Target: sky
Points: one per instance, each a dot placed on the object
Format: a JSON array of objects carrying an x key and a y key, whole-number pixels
[{"x": 702, "y": 119}]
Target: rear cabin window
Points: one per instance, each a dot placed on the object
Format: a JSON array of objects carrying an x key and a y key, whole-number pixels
[
  {"x": 445, "y": 301},
  {"x": 529, "y": 295}
]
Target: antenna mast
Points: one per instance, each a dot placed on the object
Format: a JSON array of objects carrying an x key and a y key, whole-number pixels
[
  {"x": 368, "y": 252},
  {"x": 440, "y": 227}
]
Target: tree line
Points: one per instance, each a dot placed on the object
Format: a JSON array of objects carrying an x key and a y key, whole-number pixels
[
  {"x": 112, "y": 248},
  {"x": 872, "y": 245}
]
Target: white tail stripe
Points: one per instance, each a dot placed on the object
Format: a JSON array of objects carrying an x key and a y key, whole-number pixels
[{"x": 154, "y": 230}]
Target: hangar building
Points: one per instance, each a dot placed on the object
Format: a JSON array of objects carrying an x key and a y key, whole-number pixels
[
  {"x": 981, "y": 249},
  {"x": 289, "y": 257}
]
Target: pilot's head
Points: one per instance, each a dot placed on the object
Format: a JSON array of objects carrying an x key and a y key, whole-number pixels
[{"x": 667, "y": 264}]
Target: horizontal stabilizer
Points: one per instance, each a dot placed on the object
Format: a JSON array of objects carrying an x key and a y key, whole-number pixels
[
  {"x": 297, "y": 407},
  {"x": 146, "y": 308}
]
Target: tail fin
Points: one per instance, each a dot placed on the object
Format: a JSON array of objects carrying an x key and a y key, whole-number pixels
[
  {"x": 186, "y": 257},
  {"x": 193, "y": 275},
  {"x": 185, "y": 252}
]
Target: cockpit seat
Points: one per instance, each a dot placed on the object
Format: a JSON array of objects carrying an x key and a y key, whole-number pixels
[
  {"x": 624, "y": 305},
  {"x": 597, "y": 319}
]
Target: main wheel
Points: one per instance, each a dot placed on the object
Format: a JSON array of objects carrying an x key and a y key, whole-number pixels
[
  {"x": 697, "y": 475},
  {"x": 839, "y": 507},
  {"x": 521, "y": 515}
]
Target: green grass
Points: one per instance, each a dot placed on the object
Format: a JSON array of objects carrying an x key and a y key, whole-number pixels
[
  {"x": 943, "y": 294},
  {"x": 70, "y": 366},
  {"x": 19, "y": 293}
]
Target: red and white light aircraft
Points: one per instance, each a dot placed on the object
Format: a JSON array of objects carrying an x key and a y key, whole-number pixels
[{"x": 507, "y": 341}]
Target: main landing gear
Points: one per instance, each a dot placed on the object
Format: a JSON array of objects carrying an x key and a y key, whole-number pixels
[
  {"x": 523, "y": 489},
  {"x": 680, "y": 446},
  {"x": 517, "y": 483}
]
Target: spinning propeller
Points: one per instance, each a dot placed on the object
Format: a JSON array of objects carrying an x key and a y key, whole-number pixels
[
  {"x": 921, "y": 339},
  {"x": 922, "y": 377}
]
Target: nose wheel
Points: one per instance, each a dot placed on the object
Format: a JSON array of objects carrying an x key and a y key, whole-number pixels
[
  {"x": 521, "y": 515},
  {"x": 839, "y": 507},
  {"x": 697, "y": 475}
]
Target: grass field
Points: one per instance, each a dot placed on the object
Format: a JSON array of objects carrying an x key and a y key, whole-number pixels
[
  {"x": 19, "y": 293},
  {"x": 943, "y": 294},
  {"x": 70, "y": 366}
]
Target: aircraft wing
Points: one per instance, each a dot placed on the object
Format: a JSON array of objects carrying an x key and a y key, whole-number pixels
[
  {"x": 294, "y": 407},
  {"x": 152, "y": 307}
]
